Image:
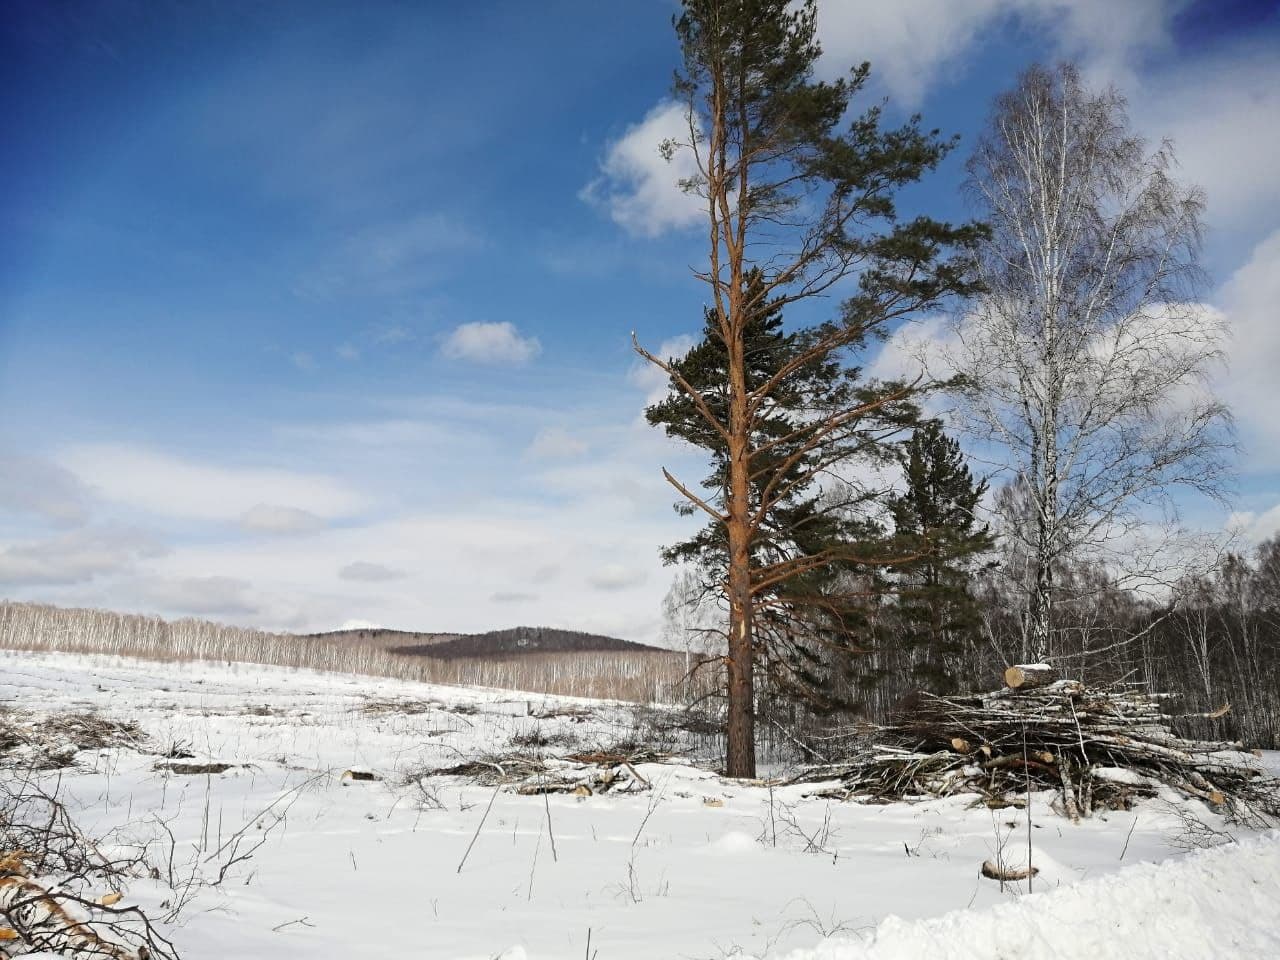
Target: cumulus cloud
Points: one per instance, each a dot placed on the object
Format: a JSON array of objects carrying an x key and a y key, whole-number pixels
[
  {"x": 1253, "y": 527},
  {"x": 1213, "y": 110},
  {"x": 77, "y": 556},
  {"x": 556, "y": 443},
  {"x": 32, "y": 485},
  {"x": 915, "y": 349},
  {"x": 638, "y": 187},
  {"x": 500, "y": 344},
  {"x": 913, "y": 44},
  {"x": 1249, "y": 300},
  {"x": 171, "y": 486},
  {"x": 365, "y": 572},
  {"x": 275, "y": 519}
]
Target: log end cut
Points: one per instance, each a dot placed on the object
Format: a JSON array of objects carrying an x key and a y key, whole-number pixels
[
  {"x": 993, "y": 871},
  {"x": 1029, "y": 676}
]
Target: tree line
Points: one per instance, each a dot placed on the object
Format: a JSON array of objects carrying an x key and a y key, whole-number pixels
[{"x": 850, "y": 550}]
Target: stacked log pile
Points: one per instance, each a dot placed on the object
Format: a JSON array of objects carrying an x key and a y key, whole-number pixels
[{"x": 1099, "y": 748}]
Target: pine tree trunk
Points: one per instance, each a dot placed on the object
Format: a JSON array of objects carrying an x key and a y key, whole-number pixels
[{"x": 740, "y": 747}]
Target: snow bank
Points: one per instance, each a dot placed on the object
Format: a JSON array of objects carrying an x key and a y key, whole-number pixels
[{"x": 1222, "y": 902}]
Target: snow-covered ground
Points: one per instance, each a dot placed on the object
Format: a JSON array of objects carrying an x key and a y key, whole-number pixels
[{"x": 698, "y": 867}]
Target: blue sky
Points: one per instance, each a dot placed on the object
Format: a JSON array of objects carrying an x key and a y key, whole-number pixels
[{"x": 315, "y": 313}]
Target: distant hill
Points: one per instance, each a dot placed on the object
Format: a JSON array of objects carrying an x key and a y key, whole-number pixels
[
  {"x": 515, "y": 642},
  {"x": 381, "y": 638}
]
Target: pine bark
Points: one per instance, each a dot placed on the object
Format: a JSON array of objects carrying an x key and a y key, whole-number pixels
[{"x": 740, "y": 750}]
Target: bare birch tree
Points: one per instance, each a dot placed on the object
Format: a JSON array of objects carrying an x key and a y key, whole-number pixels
[{"x": 1085, "y": 361}]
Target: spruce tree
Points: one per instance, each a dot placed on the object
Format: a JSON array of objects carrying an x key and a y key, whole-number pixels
[{"x": 935, "y": 516}]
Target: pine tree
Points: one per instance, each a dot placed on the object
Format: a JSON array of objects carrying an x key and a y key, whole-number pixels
[
  {"x": 805, "y": 205},
  {"x": 807, "y": 622},
  {"x": 935, "y": 515}
]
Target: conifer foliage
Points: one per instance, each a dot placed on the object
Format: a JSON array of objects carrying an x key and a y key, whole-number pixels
[{"x": 935, "y": 514}]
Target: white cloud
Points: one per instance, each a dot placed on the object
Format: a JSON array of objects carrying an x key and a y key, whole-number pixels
[
  {"x": 638, "y": 187},
  {"x": 304, "y": 361},
  {"x": 1250, "y": 300},
  {"x": 169, "y": 486},
  {"x": 491, "y": 343},
  {"x": 348, "y": 352},
  {"x": 653, "y": 380},
  {"x": 914, "y": 44},
  {"x": 914, "y": 349},
  {"x": 33, "y": 485},
  {"x": 460, "y": 572},
  {"x": 200, "y": 596},
  {"x": 365, "y": 572},
  {"x": 556, "y": 443},
  {"x": 75, "y": 557},
  {"x": 274, "y": 519},
  {"x": 480, "y": 541},
  {"x": 1253, "y": 527},
  {"x": 1220, "y": 114}
]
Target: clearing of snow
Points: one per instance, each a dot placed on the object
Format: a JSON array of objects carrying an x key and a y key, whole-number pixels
[{"x": 696, "y": 867}]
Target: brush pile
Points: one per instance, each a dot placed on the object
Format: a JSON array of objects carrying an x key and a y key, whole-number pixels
[
  {"x": 1099, "y": 748},
  {"x": 581, "y": 774},
  {"x": 33, "y": 742}
]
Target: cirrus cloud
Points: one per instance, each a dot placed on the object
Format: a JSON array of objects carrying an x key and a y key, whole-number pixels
[{"x": 556, "y": 443}]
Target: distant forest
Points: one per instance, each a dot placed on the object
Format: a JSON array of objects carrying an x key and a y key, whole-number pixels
[{"x": 517, "y": 641}]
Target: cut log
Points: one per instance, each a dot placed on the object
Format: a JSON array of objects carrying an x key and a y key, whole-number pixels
[
  {"x": 41, "y": 919},
  {"x": 1007, "y": 874},
  {"x": 1029, "y": 676}
]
